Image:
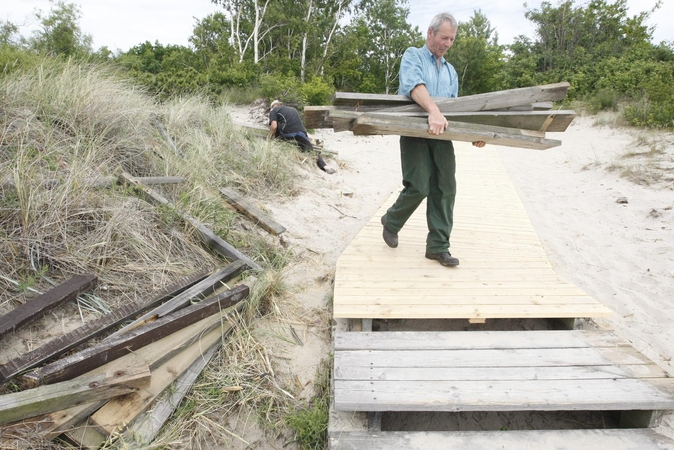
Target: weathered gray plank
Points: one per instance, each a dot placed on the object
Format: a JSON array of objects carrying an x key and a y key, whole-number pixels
[
  {"x": 361, "y": 99},
  {"x": 201, "y": 290},
  {"x": 495, "y": 100},
  {"x": 448, "y": 373},
  {"x": 70, "y": 340},
  {"x": 459, "y": 340},
  {"x": 370, "y": 123},
  {"x": 109, "y": 350},
  {"x": 615, "y": 439},
  {"x": 207, "y": 236},
  {"x": 518, "y": 357},
  {"x": 34, "y": 309},
  {"x": 550, "y": 121},
  {"x": 145, "y": 428},
  {"x": 100, "y": 182},
  {"x": 534, "y": 395},
  {"x": 46, "y": 399},
  {"x": 258, "y": 216}
]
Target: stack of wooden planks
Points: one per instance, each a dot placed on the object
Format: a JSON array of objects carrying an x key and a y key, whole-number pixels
[
  {"x": 118, "y": 385},
  {"x": 513, "y": 118}
]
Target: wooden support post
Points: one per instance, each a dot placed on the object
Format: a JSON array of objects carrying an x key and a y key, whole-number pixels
[
  {"x": 92, "y": 357},
  {"x": 92, "y": 329},
  {"x": 244, "y": 206},
  {"x": 45, "y": 399},
  {"x": 640, "y": 419},
  {"x": 570, "y": 323},
  {"x": 207, "y": 236},
  {"x": 34, "y": 309}
]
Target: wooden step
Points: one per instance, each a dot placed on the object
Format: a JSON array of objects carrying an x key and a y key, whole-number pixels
[
  {"x": 495, "y": 371},
  {"x": 616, "y": 439}
]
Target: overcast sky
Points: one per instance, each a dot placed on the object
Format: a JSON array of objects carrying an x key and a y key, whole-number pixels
[{"x": 121, "y": 24}]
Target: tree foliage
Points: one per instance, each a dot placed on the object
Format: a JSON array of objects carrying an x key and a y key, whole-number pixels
[{"x": 304, "y": 50}]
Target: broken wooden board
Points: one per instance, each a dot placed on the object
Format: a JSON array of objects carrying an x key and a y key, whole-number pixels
[
  {"x": 356, "y": 99},
  {"x": 199, "y": 291},
  {"x": 70, "y": 340},
  {"x": 34, "y": 309},
  {"x": 101, "y": 182},
  {"x": 494, "y": 100},
  {"x": 368, "y": 124},
  {"x": 549, "y": 121},
  {"x": 154, "y": 355},
  {"x": 120, "y": 411},
  {"x": 143, "y": 430},
  {"x": 90, "y": 358},
  {"x": 45, "y": 399},
  {"x": 211, "y": 239},
  {"x": 247, "y": 208}
]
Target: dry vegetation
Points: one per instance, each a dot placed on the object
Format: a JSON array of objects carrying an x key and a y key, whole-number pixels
[{"x": 65, "y": 124}]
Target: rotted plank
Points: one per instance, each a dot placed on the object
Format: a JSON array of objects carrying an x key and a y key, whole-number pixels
[
  {"x": 211, "y": 239},
  {"x": 109, "y": 350},
  {"x": 199, "y": 291},
  {"x": 92, "y": 329},
  {"x": 45, "y": 399},
  {"x": 34, "y": 309},
  {"x": 258, "y": 216}
]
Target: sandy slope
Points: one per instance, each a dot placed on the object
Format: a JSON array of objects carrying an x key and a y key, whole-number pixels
[{"x": 620, "y": 253}]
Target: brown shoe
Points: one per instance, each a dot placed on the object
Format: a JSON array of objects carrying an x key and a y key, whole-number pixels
[
  {"x": 389, "y": 236},
  {"x": 444, "y": 258}
]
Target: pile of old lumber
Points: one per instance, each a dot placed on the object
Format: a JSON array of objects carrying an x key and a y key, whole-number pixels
[
  {"x": 87, "y": 386},
  {"x": 513, "y": 118}
]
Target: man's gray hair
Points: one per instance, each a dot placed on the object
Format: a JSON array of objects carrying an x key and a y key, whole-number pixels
[{"x": 441, "y": 18}]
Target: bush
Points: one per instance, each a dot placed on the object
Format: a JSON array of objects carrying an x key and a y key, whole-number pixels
[
  {"x": 317, "y": 92},
  {"x": 603, "y": 100}
]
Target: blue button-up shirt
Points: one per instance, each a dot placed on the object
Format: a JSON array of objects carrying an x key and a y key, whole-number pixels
[{"x": 419, "y": 66}]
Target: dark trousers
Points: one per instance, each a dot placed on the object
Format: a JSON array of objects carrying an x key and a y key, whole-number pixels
[{"x": 428, "y": 167}]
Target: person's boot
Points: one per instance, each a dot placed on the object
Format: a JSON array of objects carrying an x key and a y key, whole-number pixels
[
  {"x": 444, "y": 258},
  {"x": 389, "y": 236}
]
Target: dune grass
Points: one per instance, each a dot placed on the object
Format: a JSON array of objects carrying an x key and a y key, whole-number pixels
[{"x": 64, "y": 123}]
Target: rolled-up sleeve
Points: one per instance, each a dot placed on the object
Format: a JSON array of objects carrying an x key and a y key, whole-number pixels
[{"x": 411, "y": 71}]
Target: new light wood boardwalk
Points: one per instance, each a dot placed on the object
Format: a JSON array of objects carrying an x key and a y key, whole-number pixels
[{"x": 504, "y": 272}]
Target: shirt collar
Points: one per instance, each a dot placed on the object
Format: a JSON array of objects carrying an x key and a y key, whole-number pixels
[{"x": 432, "y": 57}]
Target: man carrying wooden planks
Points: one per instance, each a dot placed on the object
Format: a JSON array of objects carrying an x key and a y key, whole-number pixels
[{"x": 428, "y": 165}]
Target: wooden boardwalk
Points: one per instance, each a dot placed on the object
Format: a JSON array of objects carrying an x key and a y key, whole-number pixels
[
  {"x": 454, "y": 371},
  {"x": 504, "y": 272}
]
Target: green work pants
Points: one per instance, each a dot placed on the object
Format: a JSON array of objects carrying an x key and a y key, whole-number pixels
[{"x": 429, "y": 168}]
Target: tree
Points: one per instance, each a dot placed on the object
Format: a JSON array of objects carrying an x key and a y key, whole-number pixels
[
  {"x": 60, "y": 32},
  {"x": 388, "y": 35},
  {"x": 476, "y": 56}
]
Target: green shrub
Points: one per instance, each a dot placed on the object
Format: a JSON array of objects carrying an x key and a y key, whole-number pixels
[{"x": 317, "y": 92}]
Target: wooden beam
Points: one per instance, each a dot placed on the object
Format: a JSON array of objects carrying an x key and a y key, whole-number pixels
[
  {"x": 90, "y": 358},
  {"x": 550, "y": 121},
  {"x": 154, "y": 355},
  {"x": 368, "y": 124},
  {"x": 45, "y": 399},
  {"x": 142, "y": 431},
  {"x": 100, "y": 182},
  {"x": 494, "y": 100},
  {"x": 250, "y": 210},
  {"x": 34, "y": 309},
  {"x": 119, "y": 412},
  {"x": 207, "y": 236},
  {"x": 355, "y": 99},
  {"x": 199, "y": 291},
  {"x": 92, "y": 329}
]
